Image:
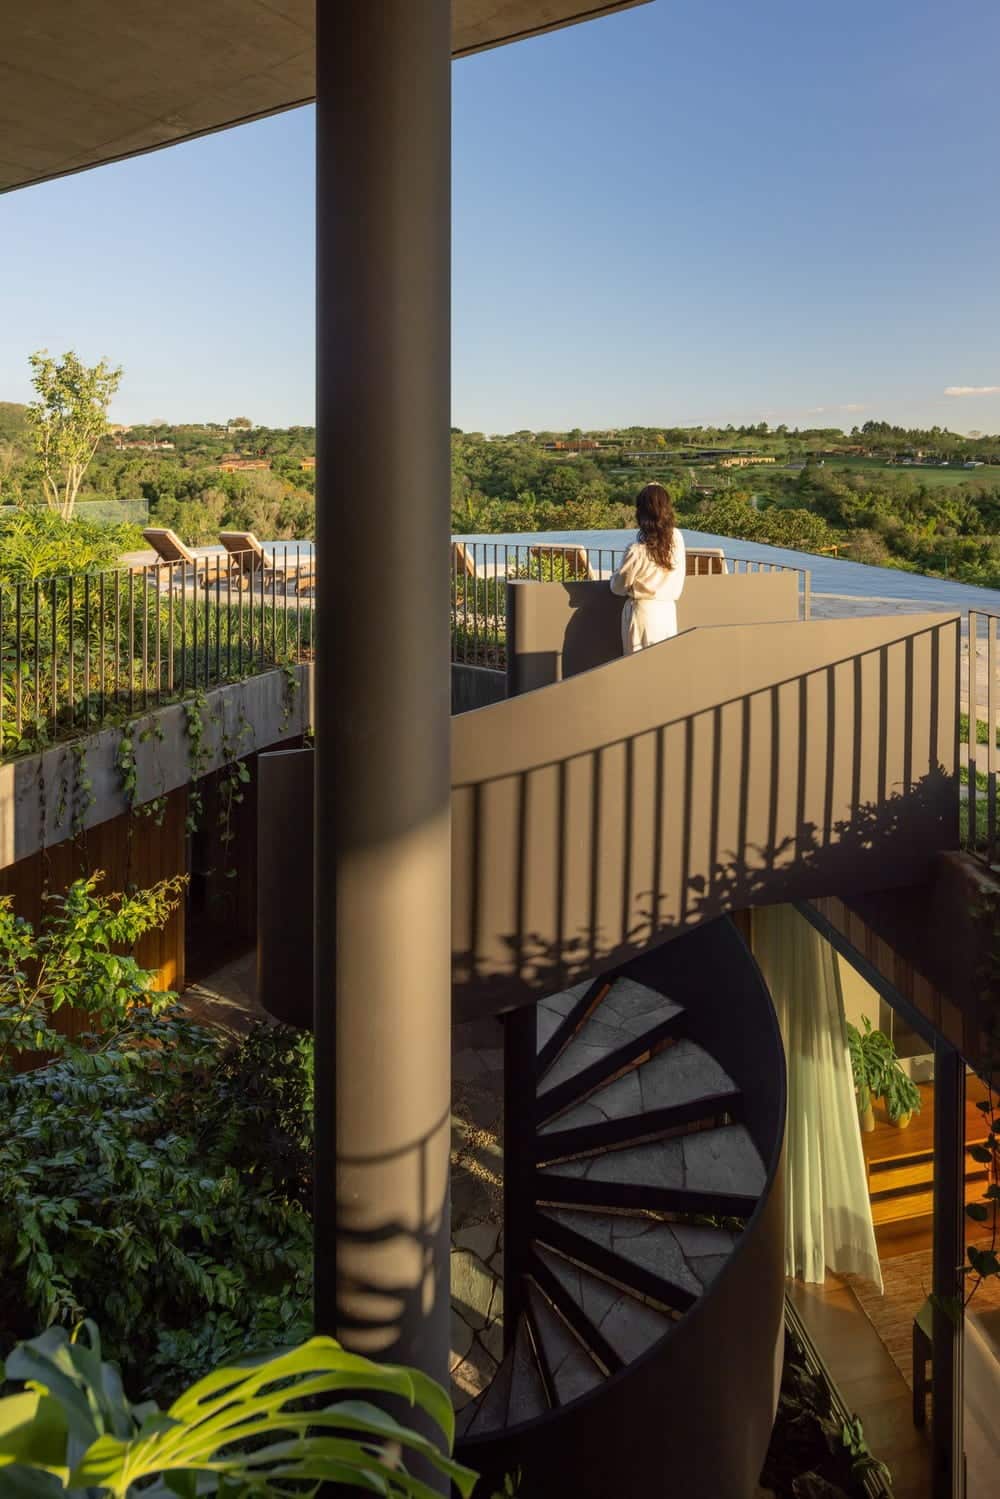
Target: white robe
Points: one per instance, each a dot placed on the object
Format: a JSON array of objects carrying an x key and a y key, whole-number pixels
[{"x": 652, "y": 591}]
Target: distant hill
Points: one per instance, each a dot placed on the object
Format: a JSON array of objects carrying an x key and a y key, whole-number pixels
[{"x": 12, "y": 421}]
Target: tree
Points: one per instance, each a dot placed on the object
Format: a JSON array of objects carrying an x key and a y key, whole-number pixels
[
  {"x": 240, "y": 421},
  {"x": 67, "y": 421}
]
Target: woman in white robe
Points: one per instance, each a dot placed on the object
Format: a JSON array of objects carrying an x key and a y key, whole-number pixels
[{"x": 652, "y": 572}]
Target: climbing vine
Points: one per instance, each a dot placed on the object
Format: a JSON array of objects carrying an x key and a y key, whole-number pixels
[
  {"x": 199, "y": 756},
  {"x": 233, "y": 776},
  {"x": 128, "y": 769},
  {"x": 83, "y": 788},
  {"x": 289, "y": 692}
]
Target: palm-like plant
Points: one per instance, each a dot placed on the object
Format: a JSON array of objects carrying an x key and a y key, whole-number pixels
[{"x": 259, "y": 1427}]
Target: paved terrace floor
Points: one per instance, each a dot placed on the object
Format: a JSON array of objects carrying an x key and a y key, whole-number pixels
[{"x": 228, "y": 999}]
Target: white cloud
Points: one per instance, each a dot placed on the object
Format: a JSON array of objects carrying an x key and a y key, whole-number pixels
[
  {"x": 845, "y": 406},
  {"x": 972, "y": 390}
]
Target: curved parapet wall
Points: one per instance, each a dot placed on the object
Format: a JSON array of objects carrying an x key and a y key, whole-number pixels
[
  {"x": 725, "y": 768},
  {"x": 728, "y": 767}
]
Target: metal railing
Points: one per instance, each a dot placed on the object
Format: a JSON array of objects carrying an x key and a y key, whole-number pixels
[
  {"x": 80, "y": 652},
  {"x": 480, "y": 571},
  {"x": 978, "y": 737}
]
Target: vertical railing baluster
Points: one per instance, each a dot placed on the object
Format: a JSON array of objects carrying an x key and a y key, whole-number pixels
[
  {"x": 131, "y": 642},
  {"x": 194, "y": 634},
  {"x": 157, "y": 591},
  {"x": 263, "y": 645},
  {"x": 284, "y": 612},
  {"x": 18, "y": 660},
  {"x": 102, "y": 700},
  {"x": 70, "y": 673},
  {"x": 239, "y": 584},
  {"x": 145, "y": 640},
  {"x": 229, "y": 622},
  {"x": 298, "y": 599},
  {"x": 991, "y": 736},
  {"x": 86, "y": 652},
  {"x": 170, "y": 629},
  {"x": 54, "y": 657},
  {"x": 274, "y": 604},
  {"x": 38, "y": 658},
  {"x": 218, "y": 618},
  {"x": 208, "y": 626},
  {"x": 184, "y": 627},
  {"x": 973, "y": 717}
]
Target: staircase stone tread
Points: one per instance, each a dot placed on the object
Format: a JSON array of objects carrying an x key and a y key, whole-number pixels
[
  {"x": 629, "y": 1324},
  {"x": 645, "y": 1242},
  {"x": 723, "y": 1160},
  {"x": 659, "y": 1163},
  {"x": 617, "y": 1100},
  {"x": 679, "y": 1074},
  {"x": 491, "y": 1412},
  {"x": 573, "y": 1370},
  {"x": 552, "y": 1011},
  {"x": 708, "y": 1160},
  {"x": 527, "y": 1393},
  {"x": 627, "y": 1011}
]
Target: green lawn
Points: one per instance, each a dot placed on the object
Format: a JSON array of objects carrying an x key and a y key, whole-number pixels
[{"x": 926, "y": 473}]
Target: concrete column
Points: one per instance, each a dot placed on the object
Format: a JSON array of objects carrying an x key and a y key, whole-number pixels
[{"x": 382, "y": 850}]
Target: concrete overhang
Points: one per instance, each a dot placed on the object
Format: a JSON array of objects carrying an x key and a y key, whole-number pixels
[{"x": 84, "y": 82}]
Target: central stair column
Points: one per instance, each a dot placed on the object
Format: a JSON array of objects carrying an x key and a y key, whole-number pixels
[
  {"x": 520, "y": 1076},
  {"x": 382, "y": 711}
]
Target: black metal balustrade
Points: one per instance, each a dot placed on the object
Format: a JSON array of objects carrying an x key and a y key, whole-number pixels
[
  {"x": 80, "y": 652},
  {"x": 981, "y": 704},
  {"x": 481, "y": 570},
  {"x": 77, "y": 653}
]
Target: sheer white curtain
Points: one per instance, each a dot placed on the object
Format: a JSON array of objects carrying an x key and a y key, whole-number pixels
[{"x": 828, "y": 1220}]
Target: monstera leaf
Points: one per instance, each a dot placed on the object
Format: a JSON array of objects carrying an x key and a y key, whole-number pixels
[{"x": 259, "y": 1427}]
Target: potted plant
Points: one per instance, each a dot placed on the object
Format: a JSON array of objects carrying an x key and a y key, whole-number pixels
[
  {"x": 871, "y": 1054},
  {"x": 900, "y": 1095}
]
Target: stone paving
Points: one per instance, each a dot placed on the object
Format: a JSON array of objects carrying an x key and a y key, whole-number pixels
[{"x": 476, "y": 1208}]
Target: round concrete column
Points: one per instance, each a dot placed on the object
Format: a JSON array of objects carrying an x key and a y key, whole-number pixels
[{"x": 382, "y": 934}]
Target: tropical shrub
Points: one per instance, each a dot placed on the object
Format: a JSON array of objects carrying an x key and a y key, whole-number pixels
[
  {"x": 153, "y": 1173},
  {"x": 260, "y": 1427},
  {"x": 75, "y": 958}
]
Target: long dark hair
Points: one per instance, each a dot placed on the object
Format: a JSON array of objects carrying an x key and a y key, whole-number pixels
[{"x": 654, "y": 510}]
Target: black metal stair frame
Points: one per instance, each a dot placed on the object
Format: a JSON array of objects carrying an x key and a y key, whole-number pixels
[{"x": 643, "y": 1286}]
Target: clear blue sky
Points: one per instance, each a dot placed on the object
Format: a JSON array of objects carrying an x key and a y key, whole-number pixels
[{"x": 697, "y": 210}]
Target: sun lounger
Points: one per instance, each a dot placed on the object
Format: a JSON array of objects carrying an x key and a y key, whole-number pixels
[
  {"x": 706, "y": 560},
  {"x": 250, "y": 561},
  {"x": 463, "y": 562},
  {"x": 561, "y": 562},
  {"x": 170, "y": 549}
]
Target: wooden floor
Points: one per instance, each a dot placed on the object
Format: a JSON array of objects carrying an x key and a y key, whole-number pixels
[{"x": 868, "y": 1380}]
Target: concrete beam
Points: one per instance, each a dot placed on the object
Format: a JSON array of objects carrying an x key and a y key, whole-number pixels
[{"x": 42, "y": 803}]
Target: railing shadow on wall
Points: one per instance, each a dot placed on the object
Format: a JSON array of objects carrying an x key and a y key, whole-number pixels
[{"x": 575, "y": 848}]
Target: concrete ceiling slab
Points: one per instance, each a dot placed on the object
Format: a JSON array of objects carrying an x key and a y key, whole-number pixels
[{"x": 83, "y": 82}]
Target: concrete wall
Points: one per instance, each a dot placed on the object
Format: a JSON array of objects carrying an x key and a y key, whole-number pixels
[
  {"x": 726, "y": 768},
  {"x": 475, "y": 687},
  {"x": 41, "y": 799},
  {"x": 556, "y": 630}
]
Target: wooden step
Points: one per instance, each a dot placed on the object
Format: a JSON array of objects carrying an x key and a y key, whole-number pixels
[
  {"x": 914, "y": 1171},
  {"x": 897, "y": 1208}
]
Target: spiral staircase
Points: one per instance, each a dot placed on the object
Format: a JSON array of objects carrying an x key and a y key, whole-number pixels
[
  {"x": 645, "y": 1176},
  {"x": 604, "y": 827}
]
